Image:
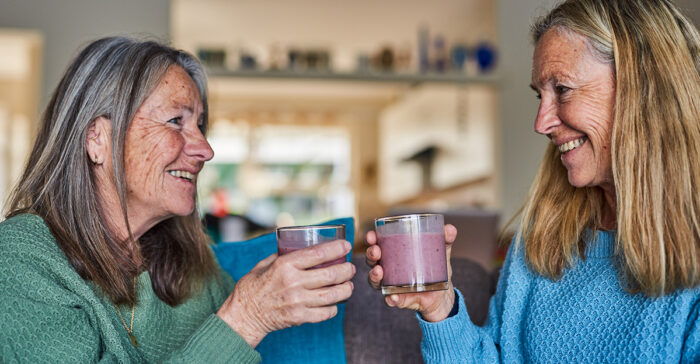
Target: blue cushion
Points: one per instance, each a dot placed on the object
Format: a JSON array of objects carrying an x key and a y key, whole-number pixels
[{"x": 321, "y": 342}]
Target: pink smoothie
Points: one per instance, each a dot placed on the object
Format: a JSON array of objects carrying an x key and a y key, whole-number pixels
[
  {"x": 284, "y": 247},
  {"x": 413, "y": 259}
]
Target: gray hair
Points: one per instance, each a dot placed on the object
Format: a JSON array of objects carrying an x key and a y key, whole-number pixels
[
  {"x": 111, "y": 78},
  {"x": 584, "y": 18}
]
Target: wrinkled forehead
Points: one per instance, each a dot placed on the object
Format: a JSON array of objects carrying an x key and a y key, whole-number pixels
[
  {"x": 179, "y": 82},
  {"x": 598, "y": 51},
  {"x": 557, "y": 51},
  {"x": 177, "y": 88},
  {"x": 562, "y": 41}
]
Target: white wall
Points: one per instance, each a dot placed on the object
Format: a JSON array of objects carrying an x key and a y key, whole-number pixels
[
  {"x": 521, "y": 149},
  {"x": 690, "y": 8},
  {"x": 67, "y": 25}
]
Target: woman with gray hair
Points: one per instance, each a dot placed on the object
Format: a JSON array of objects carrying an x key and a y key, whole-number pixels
[
  {"x": 605, "y": 266},
  {"x": 103, "y": 255}
]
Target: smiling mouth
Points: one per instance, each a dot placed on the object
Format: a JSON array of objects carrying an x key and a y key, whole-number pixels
[
  {"x": 183, "y": 175},
  {"x": 569, "y": 146}
]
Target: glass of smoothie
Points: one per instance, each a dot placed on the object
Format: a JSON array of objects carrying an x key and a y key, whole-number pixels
[
  {"x": 293, "y": 238},
  {"x": 413, "y": 253}
]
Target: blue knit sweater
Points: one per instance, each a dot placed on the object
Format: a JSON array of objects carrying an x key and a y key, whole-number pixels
[{"x": 585, "y": 317}]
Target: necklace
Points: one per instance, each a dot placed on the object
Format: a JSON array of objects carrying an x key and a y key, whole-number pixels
[{"x": 130, "y": 328}]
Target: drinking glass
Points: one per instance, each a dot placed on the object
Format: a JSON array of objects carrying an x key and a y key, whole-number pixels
[
  {"x": 413, "y": 253},
  {"x": 293, "y": 238}
]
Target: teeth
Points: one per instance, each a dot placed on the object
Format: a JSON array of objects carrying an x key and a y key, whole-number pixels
[
  {"x": 571, "y": 145},
  {"x": 182, "y": 174}
]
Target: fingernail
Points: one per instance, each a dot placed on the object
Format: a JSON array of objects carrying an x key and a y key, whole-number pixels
[
  {"x": 394, "y": 298},
  {"x": 347, "y": 246}
]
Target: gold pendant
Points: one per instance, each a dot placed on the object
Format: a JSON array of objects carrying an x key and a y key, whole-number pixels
[{"x": 133, "y": 340}]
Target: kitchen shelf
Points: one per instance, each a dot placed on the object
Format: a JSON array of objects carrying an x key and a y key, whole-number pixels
[{"x": 379, "y": 77}]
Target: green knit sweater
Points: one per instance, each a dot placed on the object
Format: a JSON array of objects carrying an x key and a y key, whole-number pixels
[{"x": 48, "y": 313}]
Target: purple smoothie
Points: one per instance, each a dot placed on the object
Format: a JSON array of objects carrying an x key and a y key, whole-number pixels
[
  {"x": 413, "y": 259},
  {"x": 284, "y": 247}
]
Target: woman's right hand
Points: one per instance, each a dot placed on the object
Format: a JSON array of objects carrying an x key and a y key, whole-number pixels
[
  {"x": 280, "y": 292},
  {"x": 434, "y": 305}
]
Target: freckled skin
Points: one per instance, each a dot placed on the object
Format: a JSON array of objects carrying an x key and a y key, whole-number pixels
[
  {"x": 157, "y": 142},
  {"x": 577, "y": 99}
]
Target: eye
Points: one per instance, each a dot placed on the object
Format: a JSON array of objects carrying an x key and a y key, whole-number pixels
[
  {"x": 176, "y": 121},
  {"x": 561, "y": 89},
  {"x": 202, "y": 125}
]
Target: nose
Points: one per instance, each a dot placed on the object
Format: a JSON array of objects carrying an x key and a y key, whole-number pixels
[
  {"x": 547, "y": 118},
  {"x": 198, "y": 147}
]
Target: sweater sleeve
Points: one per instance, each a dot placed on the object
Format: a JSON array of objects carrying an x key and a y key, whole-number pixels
[
  {"x": 215, "y": 341},
  {"x": 457, "y": 340}
]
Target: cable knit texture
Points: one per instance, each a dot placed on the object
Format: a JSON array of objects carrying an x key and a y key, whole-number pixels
[
  {"x": 48, "y": 313},
  {"x": 585, "y": 317}
]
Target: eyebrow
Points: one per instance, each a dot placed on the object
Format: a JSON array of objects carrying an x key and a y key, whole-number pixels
[
  {"x": 543, "y": 81},
  {"x": 551, "y": 78},
  {"x": 181, "y": 106}
]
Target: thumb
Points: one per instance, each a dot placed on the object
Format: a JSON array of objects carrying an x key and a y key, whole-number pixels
[
  {"x": 450, "y": 234},
  {"x": 450, "y": 237}
]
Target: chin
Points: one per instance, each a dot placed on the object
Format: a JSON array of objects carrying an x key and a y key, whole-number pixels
[
  {"x": 184, "y": 210},
  {"x": 578, "y": 181},
  {"x": 187, "y": 212}
]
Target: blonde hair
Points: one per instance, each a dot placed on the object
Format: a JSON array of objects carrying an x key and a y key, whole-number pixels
[{"x": 655, "y": 150}]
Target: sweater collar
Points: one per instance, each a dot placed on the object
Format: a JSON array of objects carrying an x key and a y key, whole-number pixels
[{"x": 600, "y": 244}]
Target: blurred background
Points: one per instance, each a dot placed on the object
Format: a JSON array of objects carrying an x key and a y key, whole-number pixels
[{"x": 320, "y": 108}]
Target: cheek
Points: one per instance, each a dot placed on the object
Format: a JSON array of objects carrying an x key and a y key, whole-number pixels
[
  {"x": 599, "y": 107},
  {"x": 149, "y": 158},
  {"x": 169, "y": 148},
  {"x": 592, "y": 117}
]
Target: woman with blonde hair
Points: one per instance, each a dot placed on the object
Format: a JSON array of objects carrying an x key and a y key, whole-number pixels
[{"x": 605, "y": 266}]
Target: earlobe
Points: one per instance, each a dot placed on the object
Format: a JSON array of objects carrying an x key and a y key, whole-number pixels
[{"x": 96, "y": 140}]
